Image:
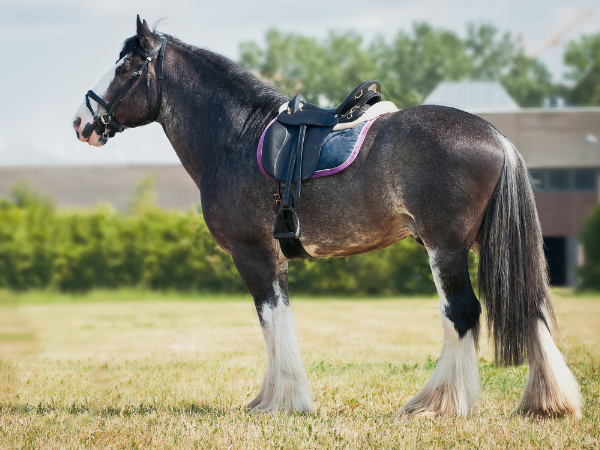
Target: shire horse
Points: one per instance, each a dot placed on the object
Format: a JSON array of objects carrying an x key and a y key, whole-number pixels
[{"x": 445, "y": 177}]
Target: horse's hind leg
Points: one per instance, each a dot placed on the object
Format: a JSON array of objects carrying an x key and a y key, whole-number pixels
[
  {"x": 551, "y": 389},
  {"x": 285, "y": 385},
  {"x": 454, "y": 385}
]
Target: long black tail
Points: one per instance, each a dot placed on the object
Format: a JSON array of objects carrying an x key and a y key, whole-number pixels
[{"x": 513, "y": 276}]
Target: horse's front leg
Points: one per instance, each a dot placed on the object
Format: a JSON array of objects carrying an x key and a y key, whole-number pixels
[{"x": 285, "y": 386}]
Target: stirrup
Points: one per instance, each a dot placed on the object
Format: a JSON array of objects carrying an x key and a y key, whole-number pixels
[{"x": 295, "y": 234}]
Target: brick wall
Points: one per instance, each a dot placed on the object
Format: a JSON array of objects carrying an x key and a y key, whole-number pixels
[{"x": 562, "y": 213}]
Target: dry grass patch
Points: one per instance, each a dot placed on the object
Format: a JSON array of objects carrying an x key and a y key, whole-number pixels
[{"x": 176, "y": 373}]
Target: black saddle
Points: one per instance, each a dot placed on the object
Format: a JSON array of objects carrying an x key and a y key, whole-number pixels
[{"x": 291, "y": 151}]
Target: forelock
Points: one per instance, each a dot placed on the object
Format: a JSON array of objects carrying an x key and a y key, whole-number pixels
[{"x": 128, "y": 47}]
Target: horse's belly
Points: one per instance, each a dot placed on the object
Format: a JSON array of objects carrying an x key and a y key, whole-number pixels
[{"x": 349, "y": 238}]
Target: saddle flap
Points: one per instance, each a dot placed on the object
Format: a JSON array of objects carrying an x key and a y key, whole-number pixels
[
  {"x": 276, "y": 139},
  {"x": 278, "y": 147},
  {"x": 308, "y": 117}
]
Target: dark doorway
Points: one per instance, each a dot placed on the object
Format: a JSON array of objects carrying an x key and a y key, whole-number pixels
[{"x": 555, "y": 249}]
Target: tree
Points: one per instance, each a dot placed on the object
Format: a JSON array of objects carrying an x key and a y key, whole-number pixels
[
  {"x": 292, "y": 62},
  {"x": 489, "y": 55},
  {"x": 413, "y": 64},
  {"x": 143, "y": 195},
  {"x": 527, "y": 80},
  {"x": 323, "y": 72},
  {"x": 583, "y": 60},
  {"x": 409, "y": 67}
]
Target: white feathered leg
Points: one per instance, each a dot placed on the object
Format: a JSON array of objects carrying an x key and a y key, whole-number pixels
[
  {"x": 551, "y": 389},
  {"x": 285, "y": 385}
]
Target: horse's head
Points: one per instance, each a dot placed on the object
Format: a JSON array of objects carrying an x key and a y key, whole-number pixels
[{"x": 129, "y": 94}]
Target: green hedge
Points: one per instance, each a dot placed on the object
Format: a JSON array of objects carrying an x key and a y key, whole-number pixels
[
  {"x": 78, "y": 250},
  {"x": 590, "y": 238}
]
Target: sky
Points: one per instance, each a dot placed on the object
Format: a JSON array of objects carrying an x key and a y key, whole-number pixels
[{"x": 54, "y": 51}]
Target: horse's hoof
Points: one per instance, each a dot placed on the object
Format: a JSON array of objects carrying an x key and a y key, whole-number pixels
[
  {"x": 253, "y": 404},
  {"x": 270, "y": 407},
  {"x": 417, "y": 407},
  {"x": 414, "y": 412},
  {"x": 548, "y": 413},
  {"x": 255, "y": 410}
]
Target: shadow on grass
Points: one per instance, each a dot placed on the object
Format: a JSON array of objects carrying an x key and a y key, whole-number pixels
[{"x": 200, "y": 409}]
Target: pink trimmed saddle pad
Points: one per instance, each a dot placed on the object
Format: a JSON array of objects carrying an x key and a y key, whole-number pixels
[{"x": 340, "y": 149}]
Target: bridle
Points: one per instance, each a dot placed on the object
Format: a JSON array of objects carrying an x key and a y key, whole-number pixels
[{"x": 106, "y": 124}]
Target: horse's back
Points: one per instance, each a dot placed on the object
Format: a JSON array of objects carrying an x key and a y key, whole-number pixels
[{"x": 442, "y": 139}]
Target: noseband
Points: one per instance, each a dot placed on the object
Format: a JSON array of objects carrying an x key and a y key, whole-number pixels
[{"x": 106, "y": 124}]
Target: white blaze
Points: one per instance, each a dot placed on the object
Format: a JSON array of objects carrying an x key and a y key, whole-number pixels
[{"x": 84, "y": 113}]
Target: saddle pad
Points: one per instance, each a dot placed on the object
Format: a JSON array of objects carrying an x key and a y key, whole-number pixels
[
  {"x": 374, "y": 111},
  {"x": 340, "y": 149}
]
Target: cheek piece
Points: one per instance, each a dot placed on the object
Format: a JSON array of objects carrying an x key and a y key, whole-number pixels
[{"x": 105, "y": 123}]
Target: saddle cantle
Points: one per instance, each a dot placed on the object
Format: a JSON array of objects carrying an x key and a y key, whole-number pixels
[{"x": 291, "y": 150}]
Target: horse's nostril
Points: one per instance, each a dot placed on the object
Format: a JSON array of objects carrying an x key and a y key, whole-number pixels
[{"x": 77, "y": 123}]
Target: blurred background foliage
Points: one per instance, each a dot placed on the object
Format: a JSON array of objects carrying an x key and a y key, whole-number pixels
[
  {"x": 583, "y": 60},
  {"x": 413, "y": 63},
  {"x": 589, "y": 272},
  {"x": 149, "y": 247},
  {"x": 71, "y": 250}
]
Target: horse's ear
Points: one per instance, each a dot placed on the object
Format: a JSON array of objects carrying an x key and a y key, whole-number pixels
[{"x": 143, "y": 32}]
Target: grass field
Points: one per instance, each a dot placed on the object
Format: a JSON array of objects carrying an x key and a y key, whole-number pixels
[{"x": 141, "y": 370}]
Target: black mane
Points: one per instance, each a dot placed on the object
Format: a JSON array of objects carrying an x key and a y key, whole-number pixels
[
  {"x": 225, "y": 65},
  {"x": 219, "y": 62},
  {"x": 256, "y": 101}
]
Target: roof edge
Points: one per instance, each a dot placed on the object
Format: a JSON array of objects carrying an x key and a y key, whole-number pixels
[{"x": 579, "y": 109}]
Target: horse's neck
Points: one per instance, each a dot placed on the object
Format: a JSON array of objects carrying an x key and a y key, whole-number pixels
[{"x": 211, "y": 120}]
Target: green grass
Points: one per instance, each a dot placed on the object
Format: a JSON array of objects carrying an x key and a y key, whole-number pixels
[
  {"x": 137, "y": 369},
  {"x": 45, "y": 297}
]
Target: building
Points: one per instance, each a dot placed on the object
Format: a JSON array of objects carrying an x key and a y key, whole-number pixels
[
  {"x": 562, "y": 151},
  {"x": 86, "y": 186}
]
